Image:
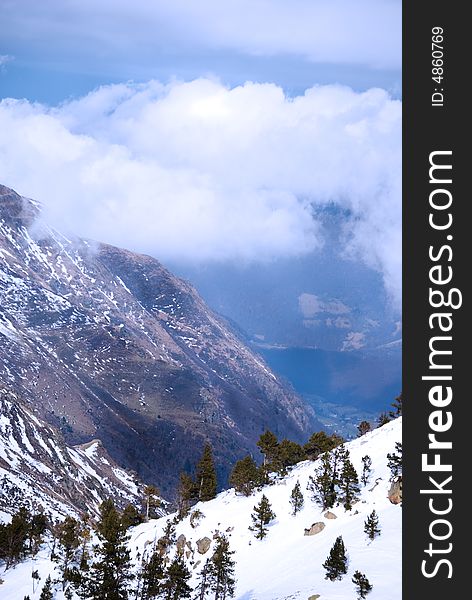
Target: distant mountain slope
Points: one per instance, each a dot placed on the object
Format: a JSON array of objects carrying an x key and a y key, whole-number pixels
[
  {"x": 286, "y": 565},
  {"x": 38, "y": 469},
  {"x": 108, "y": 344}
]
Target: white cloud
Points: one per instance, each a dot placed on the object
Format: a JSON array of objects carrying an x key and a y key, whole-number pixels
[
  {"x": 364, "y": 32},
  {"x": 197, "y": 171}
]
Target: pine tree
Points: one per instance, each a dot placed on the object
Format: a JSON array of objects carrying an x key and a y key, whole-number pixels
[
  {"x": 366, "y": 469},
  {"x": 245, "y": 476},
  {"x": 111, "y": 572},
  {"x": 152, "y": 502},
  {"x": 152, "y": 576},
  {"x": 362, "y": 583},
  {"x": 349, "y": 483},
  {"x": 336, "y": 563},
  {"x": 323, "y": 484},
  {"x": 187, "y": 494},
  {"x": 289, "y": 454},
  {"x": 269, "y": 446},
  {"x": 383, "y": 419},
  {"x": 261, "y": 517},
  {"x": 363, "y": 428},
  {"x": 131, "y": 516},
  {"x": 395, "y": 461},
  {"x": 14, "y": 537},
  {"x": 397, "y": 407},
  {"x": 176, "y": 581},
  {"x": 206, "y": 475},
  {"x": 221, "y": 570},
  {"x": 371, "y": 525},
  {"x": 202, "y": 589},
  {"x": 46, "y": 592},
  {"x": 319, "y": 443},
  {"x": 68, "y": 544},
  {"x": 296, "y": 499},
  {"x": 37, "y": 527}
]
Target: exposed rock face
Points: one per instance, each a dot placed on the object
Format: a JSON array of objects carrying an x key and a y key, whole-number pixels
[
  {"x": 315, "y": 528},
  {"x": 108, "y": 344},
  {"x": 39, "y": 469},
  {"x": 395, "y": 491},
  {"x": 203, "y": 545},
  {"x": 329, "y": 515},
  {"x": 314, "y": 597}
]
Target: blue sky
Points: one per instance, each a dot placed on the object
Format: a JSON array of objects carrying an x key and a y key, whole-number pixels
[
  {"x": 55, "y": 49},
  {"x": 233, "y": 123}
]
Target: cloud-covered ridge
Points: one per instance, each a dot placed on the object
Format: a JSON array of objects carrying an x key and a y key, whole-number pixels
[{"x": 199, "y": 171}]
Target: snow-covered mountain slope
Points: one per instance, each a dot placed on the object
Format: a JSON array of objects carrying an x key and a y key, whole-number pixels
[
  {"x": 108, "y": 344},
  {"x": 286, "y": 565},
  {"x": 39, "y": 470}
]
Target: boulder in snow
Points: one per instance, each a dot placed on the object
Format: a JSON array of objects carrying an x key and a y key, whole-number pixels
[
  {"x": 395, "y": 491},
  {"x": 203, "y": 545},
  {"x": 315, "y": 528},
  {"x": 328, "y": 515}
]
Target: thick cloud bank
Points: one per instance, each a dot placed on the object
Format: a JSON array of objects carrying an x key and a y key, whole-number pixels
[{"x": 197, "y": 171}]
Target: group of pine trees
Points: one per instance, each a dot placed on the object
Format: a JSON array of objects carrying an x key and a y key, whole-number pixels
[
  {"x": 277, "y": 458},
  {"x": 335, "y": 480},
  {"x": 22, "y": 536},
  {"x": 104, "y": 570}
]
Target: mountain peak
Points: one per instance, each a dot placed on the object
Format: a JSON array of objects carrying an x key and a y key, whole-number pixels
[{"x": 16, "y": 210}]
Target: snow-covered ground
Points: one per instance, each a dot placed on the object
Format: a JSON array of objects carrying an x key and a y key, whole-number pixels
[{"x": 286, "y": 564}]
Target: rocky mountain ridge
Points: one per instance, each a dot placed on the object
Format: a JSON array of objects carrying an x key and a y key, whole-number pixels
[
  {"x": 40, "y": 471},
  {"x": 105, "y": 343}
]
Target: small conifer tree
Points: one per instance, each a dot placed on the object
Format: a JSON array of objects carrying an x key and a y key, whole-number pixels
[
  {"x": 383, "y": 419},
  {"x": 152, "y": 576},
  {"x": 397, "y": 407},
  {"x": 336, "y": 563},
  {"x": 131, "y": 516},
  {"x": 261, "y": 517},
  {"x": 366, "y": 469},
  {"x": 289, "y": 453},
  {"x": 245, "y": 476},
  {"x": 206, "y": 475},
  {"x": 187, "y": 494},
  {"x": 323, "y": 484},
  {"x": 363, "y": 428},
  {"x": 395, "y": 461},
  {"x": 362, "y": 584},
  {"x": 221, "y": 570},
  {"x": 46, "y": 592},
  {"x": 176, "y": 585},
  {"x": 111, "y": 572},
  {"x": 202, "y": 589},
  {"x": 349, "y": 483},
  {"x": 152, "y": 502},
  {"x": 296, "y": 499},
  {"x": 269, "y": 446},
  {"x": 371, "y": 525},
  {"x": 321, "y": 442}
]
